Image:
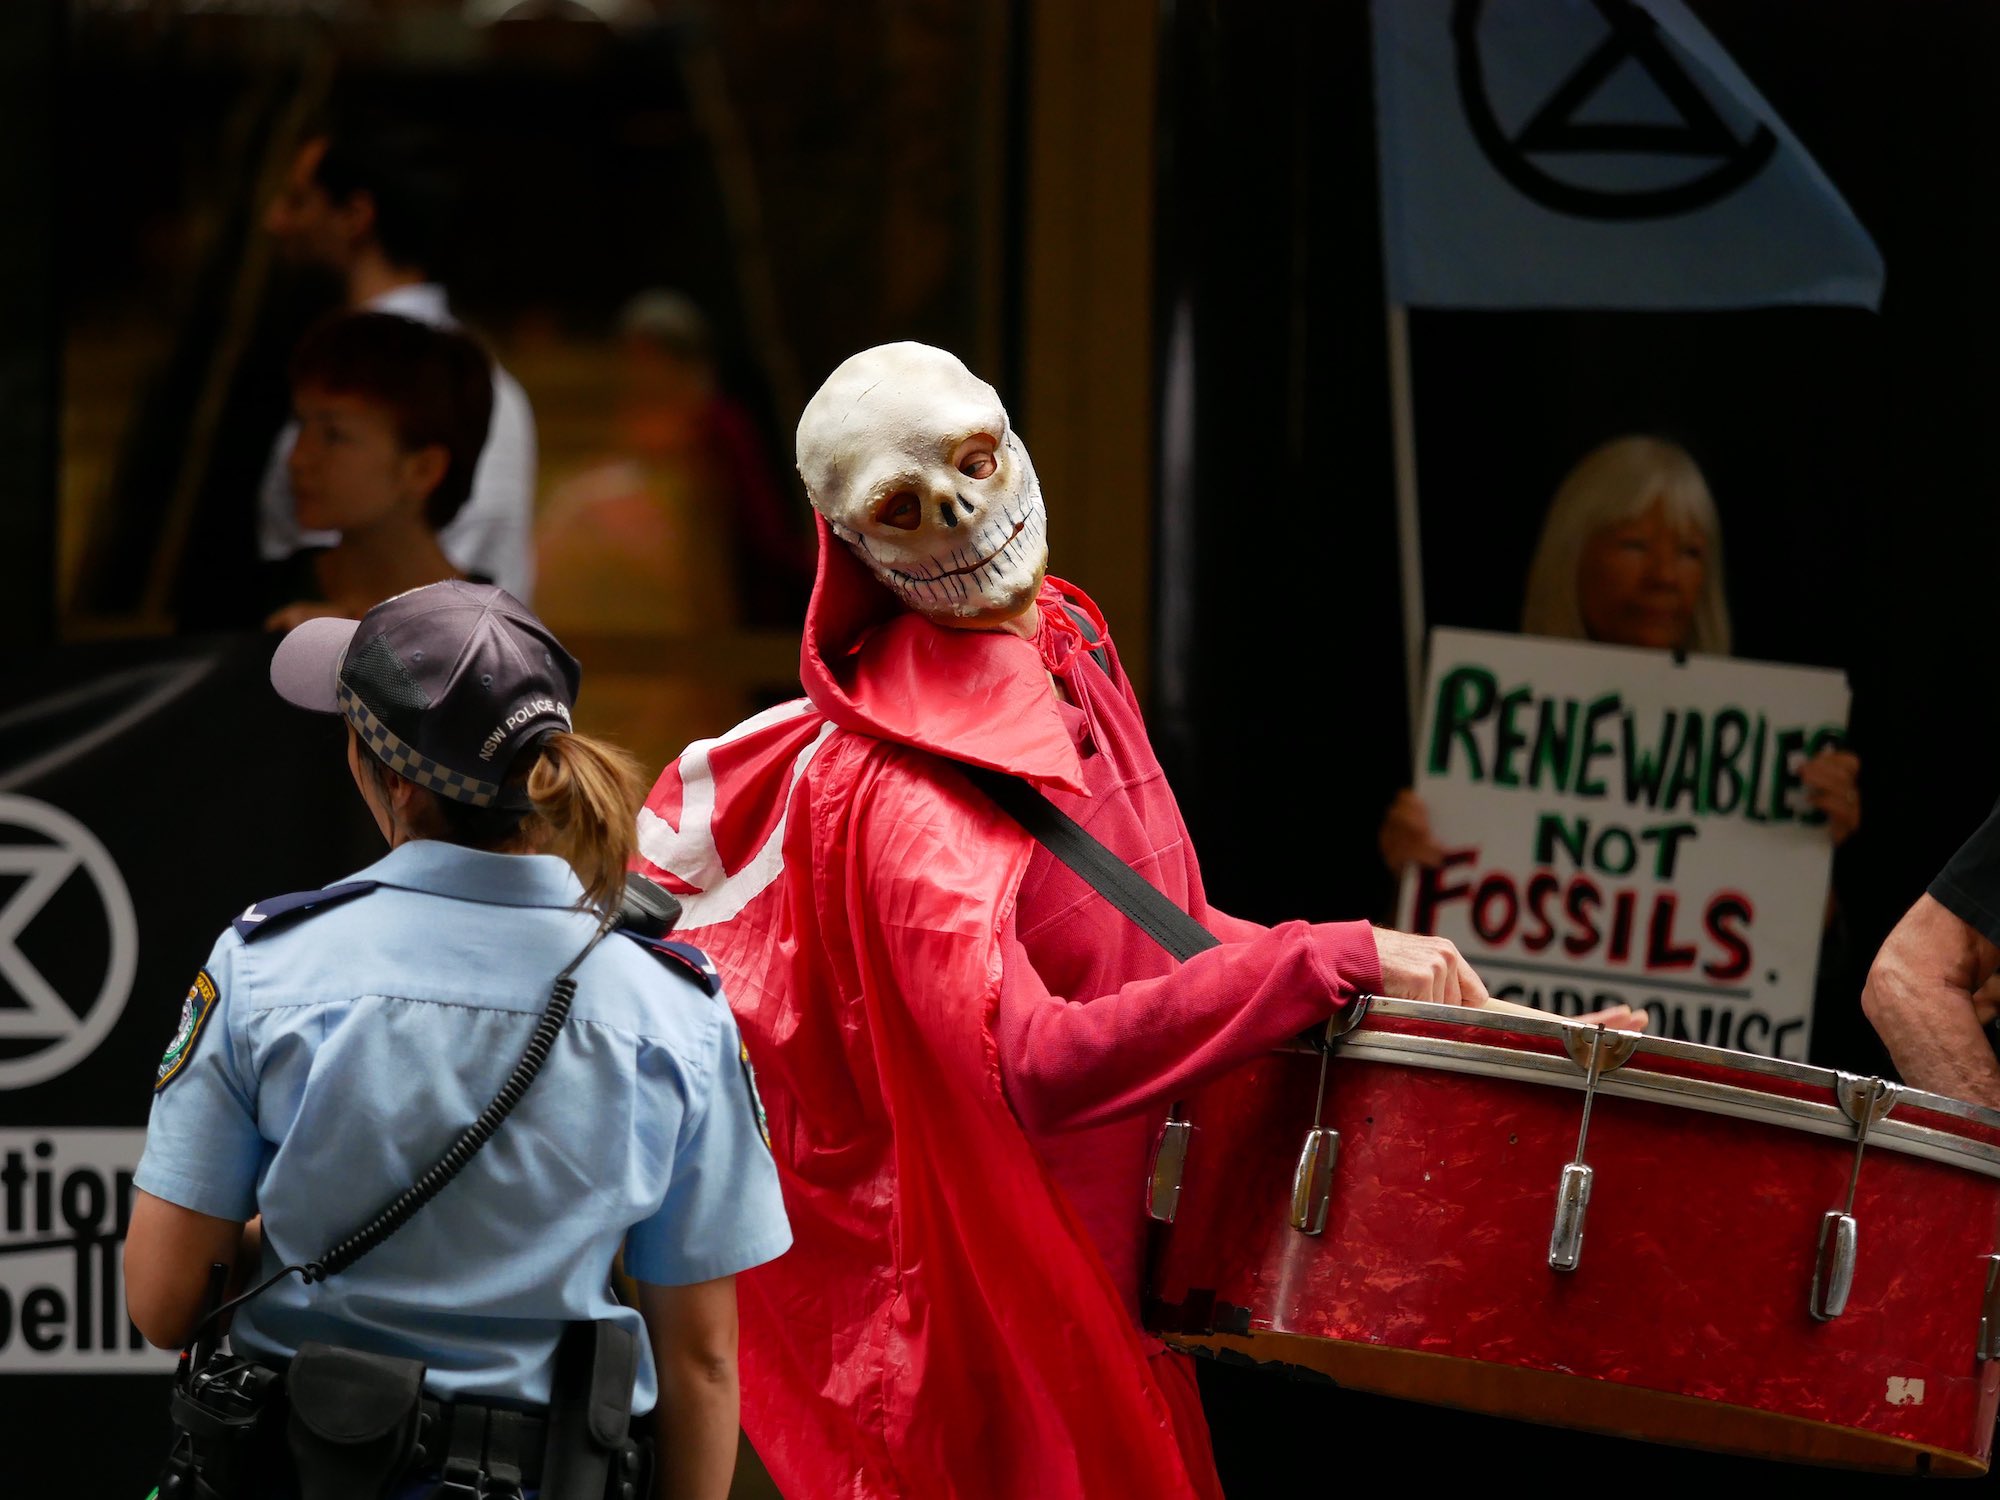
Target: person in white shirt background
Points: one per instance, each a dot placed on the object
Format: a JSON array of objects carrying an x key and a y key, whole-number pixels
[{"x": 357, "y": 206}]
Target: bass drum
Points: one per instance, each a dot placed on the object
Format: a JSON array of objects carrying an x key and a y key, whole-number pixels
[{"x": 1538, "y": 1220}]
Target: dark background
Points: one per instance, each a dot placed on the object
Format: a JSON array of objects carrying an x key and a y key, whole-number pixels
[{"x": 30, "y": 323}]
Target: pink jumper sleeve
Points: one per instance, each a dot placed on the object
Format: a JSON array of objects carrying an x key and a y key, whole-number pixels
[{"x": 1072, "y": 1063}]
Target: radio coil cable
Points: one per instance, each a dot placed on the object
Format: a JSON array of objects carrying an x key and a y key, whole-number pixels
[{"x": 427, "y": 1186}]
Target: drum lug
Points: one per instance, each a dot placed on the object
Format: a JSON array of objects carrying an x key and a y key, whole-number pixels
[
  {"x": 1163, "y": 1183},
  {"x": 1989, "y": 1312},
  {"x": 1833, "y": 1272},
  {"x": 1312, "y": 1180},
  {"x": 1876, "y": 1096},
  {"x": 1593, "y": 1051},
  {"x": 1614, "y": 1049},
  {"x": 1864, "y": 1101},
  {"x": 1312, "y": 1177},
  {"x": 1572, "y": 1199}
]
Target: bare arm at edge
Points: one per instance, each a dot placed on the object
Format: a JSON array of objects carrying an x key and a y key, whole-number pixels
[
  {"x": 168, "y": 1250},
  {"x": 693, "y": 1333},
  {"x": 1919, "y": 997}
]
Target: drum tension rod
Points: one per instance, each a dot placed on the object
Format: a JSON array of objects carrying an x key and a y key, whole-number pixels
[
  {"x": 1312, "y": 1178},
  {"x": 1573, "y": 1191},
  {"x": 1864, "y": 1101},
  {"x": 1597, "y": 1052}
]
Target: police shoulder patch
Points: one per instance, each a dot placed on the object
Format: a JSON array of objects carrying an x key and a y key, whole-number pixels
[
  {"x": 200, "y": 1001},
  {"x": 756, "y": 1099}
]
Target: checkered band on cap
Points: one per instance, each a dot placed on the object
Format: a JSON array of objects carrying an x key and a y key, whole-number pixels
[{"x": 407, "y": 762}]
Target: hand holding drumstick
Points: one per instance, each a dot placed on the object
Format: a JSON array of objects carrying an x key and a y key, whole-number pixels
[{"x": 1416, "y": 966}]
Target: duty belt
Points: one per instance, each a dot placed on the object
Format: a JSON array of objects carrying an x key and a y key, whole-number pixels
[{"x": 496, "y": 1451}]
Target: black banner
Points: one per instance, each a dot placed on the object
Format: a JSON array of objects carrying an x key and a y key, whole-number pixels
[{"x": 149, "y": 791}]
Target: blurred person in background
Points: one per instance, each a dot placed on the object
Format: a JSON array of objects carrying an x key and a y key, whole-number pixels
[
  {"x": 1631, "y": 555},
  {"x": 686, "y": 467},
  {"x": 359, "y": 204},
  {"x": 674, "y": 404},
  {"x": 678, "y": 529},
  {"x": 390, "y": 417},
  {"x": 637, "y": 541}
]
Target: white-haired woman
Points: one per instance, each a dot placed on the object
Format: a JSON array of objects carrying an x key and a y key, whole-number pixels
[{"x": 1631, "y": 555}]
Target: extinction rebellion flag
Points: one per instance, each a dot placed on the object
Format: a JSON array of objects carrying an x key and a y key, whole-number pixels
[{"x": 1595, "y": 154}]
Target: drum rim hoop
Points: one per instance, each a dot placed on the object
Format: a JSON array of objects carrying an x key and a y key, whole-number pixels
[{"x": 1478, "y": 1057}]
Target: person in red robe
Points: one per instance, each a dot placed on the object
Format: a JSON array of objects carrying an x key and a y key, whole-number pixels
[{"x": 964, "y": 1049}]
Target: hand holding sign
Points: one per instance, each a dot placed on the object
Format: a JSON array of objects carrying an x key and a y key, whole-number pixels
[
  {"x": 1405, "y": 837},
  {"x": 1830, "y": 779}
]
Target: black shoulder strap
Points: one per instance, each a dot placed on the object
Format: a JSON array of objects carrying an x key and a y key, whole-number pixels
[
  {"x": 1091, "y": 638},
  {"x": 1121, "y": 885}
]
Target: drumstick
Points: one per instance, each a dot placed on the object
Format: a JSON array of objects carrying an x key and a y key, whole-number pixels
[
  {"x": 1639, "y": 1017},
  {"x": 1493, "y": 1002},
  {"x": 1508, "y": 1007}
]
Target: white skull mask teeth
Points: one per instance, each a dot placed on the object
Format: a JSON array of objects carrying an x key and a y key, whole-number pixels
[{"x": 911, "y": 459}]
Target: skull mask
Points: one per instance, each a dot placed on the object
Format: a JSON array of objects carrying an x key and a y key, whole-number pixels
[{"x": 910, "y": 458}]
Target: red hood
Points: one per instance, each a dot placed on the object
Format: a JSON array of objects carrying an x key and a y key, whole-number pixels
[{"x": 982, "y": 696}]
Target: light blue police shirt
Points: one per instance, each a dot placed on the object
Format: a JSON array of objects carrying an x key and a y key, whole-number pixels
[{"x": 343, "y": 1054}]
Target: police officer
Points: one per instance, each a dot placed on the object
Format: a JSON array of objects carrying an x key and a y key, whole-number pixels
[{"x": 337, "y": 1042}]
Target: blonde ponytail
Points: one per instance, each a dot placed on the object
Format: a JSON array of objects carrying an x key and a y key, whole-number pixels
[{"x": 587, "y": 795}]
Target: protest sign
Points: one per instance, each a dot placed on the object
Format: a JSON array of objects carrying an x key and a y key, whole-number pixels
[{"x": 1623, "y": 827}]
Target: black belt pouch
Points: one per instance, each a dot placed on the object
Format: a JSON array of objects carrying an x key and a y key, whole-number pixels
[
  {"x": 590, "y": 1413},
  {"x": 353, "y": 1428}
]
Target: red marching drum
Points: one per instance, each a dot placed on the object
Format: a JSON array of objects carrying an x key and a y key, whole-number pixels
[{"x": 1538, "y": 1220}]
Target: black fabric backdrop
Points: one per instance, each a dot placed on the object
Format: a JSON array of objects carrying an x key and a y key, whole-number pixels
[{"x": 215, "y": 794}]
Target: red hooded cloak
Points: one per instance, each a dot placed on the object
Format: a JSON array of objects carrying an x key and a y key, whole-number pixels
[{"x": 943, "y": 1323}]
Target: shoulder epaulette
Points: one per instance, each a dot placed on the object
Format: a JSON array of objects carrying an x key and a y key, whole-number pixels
[
  {"x": 282, "y": 911},
  {"x": 683, "y": 958}
]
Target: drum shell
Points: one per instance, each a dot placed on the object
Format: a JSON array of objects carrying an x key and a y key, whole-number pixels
[{"x": 1687, "y": 1318}]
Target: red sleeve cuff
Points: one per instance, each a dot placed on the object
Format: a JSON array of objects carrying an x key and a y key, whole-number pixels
[{"x": 1344, "y": 955}]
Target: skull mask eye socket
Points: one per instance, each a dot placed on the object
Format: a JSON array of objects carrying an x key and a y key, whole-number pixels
[
  {"x": 977, "y": 457},
  {"x": 902, "y": 510}
]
